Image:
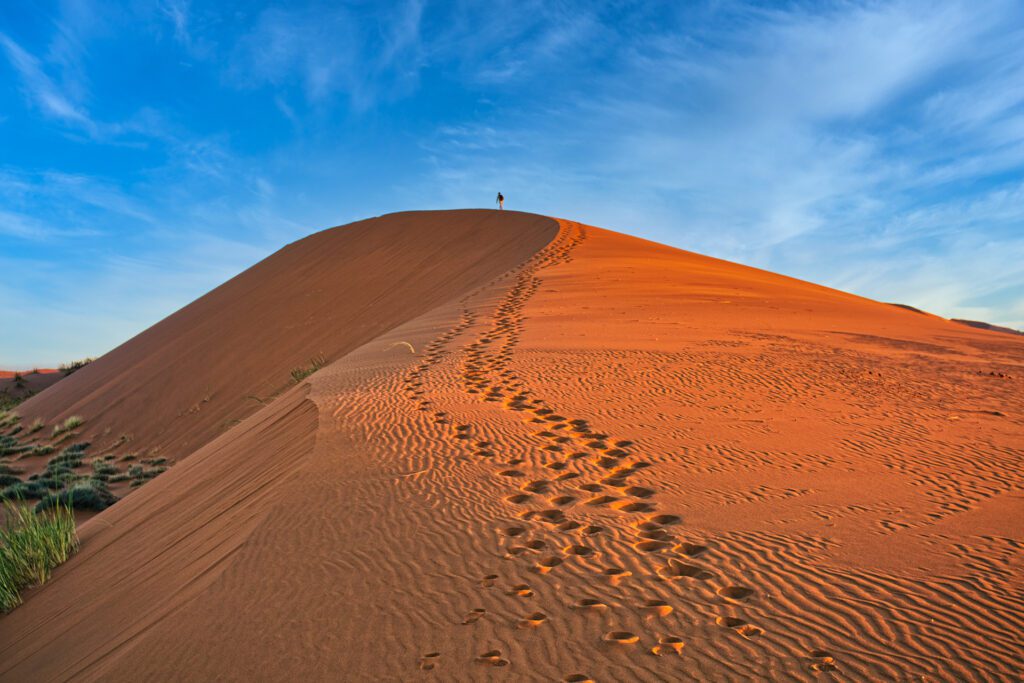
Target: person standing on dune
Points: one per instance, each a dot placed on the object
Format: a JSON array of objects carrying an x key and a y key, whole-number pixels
[{"x": 501, "y": 202}]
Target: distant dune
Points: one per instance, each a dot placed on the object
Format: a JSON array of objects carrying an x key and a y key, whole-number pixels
[
  {"x": 541, "y": 451},
  {"x": 19, "y": 384},
  {"x": 987, "y": 326}
]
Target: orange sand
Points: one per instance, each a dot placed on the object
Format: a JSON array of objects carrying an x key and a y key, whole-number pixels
[{"x": 617, "y": 461}]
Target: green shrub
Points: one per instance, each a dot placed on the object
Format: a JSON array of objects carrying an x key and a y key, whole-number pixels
[
  {"x": 103, "y": 470},
  {"x": 85, "y": 495},
  {"x": 36, "y": 425},
  {"x": 11, "y": 446},
  {"x": 315, "y": 363},
  {"x": 31, "y": 545}
]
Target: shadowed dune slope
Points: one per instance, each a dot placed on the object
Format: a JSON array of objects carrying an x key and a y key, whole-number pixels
[
  {"x": 616, "y": 461},
  {"x": 184, "y": 380}
]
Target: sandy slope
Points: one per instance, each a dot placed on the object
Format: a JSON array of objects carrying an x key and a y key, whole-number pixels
[
  {"x": 176, "y": 386},
  {"x": 615, "y": 441}
]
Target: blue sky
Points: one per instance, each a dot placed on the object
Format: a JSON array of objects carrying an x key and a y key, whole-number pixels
[{"x": 151, "y": 150}]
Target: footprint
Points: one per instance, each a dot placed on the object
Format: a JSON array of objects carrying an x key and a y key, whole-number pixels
[
  {"x": 536, "y": 545},
  {"x": 511, "y": 473},
  {"x": 615, "y": 575},
  {"x": 665, "y": 520},
  {"x": 514, "y": 531},
  {"x": 591, "y": 604},
  {"x": 538, "y": 486},
  {"x": 602, "y": 500},
  {"x": 551, "y": 516},
  {"x": 634, "y": 507},
  {"x": 735, "y": 593},
  {"x": 656, "y": 608},
  {"x": 749, "y": 631},
  {"x": 691, "y": 549},
  {"x": 474, "y": 616},
  {"x": 678, "y": 570},
  {"x": 592, "y": 529},
  {"x": 533, "y": 621},
  {"x": 668, "y": 645},
  {"x": 578, "y": 678},
  {"x": 639, "y": 492},
  {"x": 823, "y": 661},
  {"x": 488, "y": 581},
  {"x": 592, "y": 488},
  {"x": 563, "y": 500},
  {"x": 429, "y": 661},
  {"x": 519, "y": 498},
  {"x": 520, "y": 590},
  {"x": 493, "y": 658},
  {"x": 569, "y": 525},
  {"x": 621, "y": 638},
  {"x": 547, "y": 564},
  {"x": 652, "y": 546},
  {"x": 578, "y": 550}
]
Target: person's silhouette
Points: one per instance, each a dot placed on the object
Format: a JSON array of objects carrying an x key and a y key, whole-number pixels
[{"x": 501, "y": 201}]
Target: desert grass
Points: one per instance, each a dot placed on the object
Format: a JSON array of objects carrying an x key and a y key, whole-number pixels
[
  {"x": 68, "y": 368},
  {"x": 67, "y": 425},
  {"x": 31, "y": 545},
  {"x": 315, "y": 363},
  {"x": 8, "y": 418}
]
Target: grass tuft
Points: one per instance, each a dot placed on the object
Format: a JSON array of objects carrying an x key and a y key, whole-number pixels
[
  {"x": 91, "y": 494},
  {"x": 68, "y": 368},
  {"x": 67, "y": 425},
  {"x": 315, "y": 363},
  {"x": 31, "y": 545}
]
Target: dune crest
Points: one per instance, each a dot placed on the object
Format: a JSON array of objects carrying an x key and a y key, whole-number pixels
[{"x": 606, "y": 460}]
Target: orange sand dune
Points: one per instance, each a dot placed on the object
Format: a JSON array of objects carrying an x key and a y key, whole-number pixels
[
  {"x": 188, "y": 378},
  {"x": 617, "y": 461}
]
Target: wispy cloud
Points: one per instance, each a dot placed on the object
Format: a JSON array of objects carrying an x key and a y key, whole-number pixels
[{"x": 42, "y": 91}]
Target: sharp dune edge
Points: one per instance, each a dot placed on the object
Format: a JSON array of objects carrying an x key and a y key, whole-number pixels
[{"x": 601, "y": 447}]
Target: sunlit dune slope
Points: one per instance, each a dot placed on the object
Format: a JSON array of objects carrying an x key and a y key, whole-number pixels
[
  {"x": 617, "y": 461},
  {"x": 183, "y": 381}
]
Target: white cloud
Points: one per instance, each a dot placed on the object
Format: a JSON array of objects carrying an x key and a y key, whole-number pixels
[{"x": 41, "y": 89}]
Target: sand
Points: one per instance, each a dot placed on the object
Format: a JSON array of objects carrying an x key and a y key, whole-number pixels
[
  {"x": 600, "y": 459},
  {"x": 32, "y": 381}
]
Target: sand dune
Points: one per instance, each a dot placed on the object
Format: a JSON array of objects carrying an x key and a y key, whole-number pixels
[
  {"x": 18, "y": 385},
  {"x": 603, "y": 459},
  {"x": 183, "y": 381}
]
